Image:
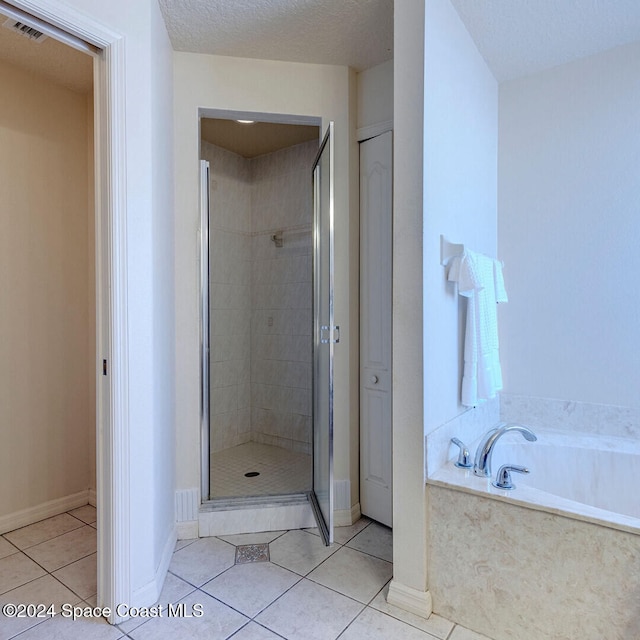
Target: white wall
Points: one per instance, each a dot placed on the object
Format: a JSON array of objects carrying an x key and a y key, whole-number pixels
[
  {"x": 47, "y": 309},
  {"x": 161, "y": 427},
  {"x": 460, "y": 182},
  {"x": 568, "y": 230},
  {"x": 237, "y": 84}
]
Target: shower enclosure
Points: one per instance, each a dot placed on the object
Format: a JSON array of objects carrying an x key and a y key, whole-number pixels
[{"x": 265, "y": 378}]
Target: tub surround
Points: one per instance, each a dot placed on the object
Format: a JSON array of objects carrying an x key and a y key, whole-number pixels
[
  {"x": 469, "y": 426},
  {"x": 515, "y": 574},
  {"x": 585, "y": 417},
  {"x": 562, "y": 479},
  {"x": 557, "y": 557}
]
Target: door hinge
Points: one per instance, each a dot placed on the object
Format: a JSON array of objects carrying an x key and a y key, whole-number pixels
[
  {"x": 329, "y": 334},
  {"x": 104, "y": 367}
]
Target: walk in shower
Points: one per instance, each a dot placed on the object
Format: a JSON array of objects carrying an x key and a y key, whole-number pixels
[{"x": 258, "y": 321}]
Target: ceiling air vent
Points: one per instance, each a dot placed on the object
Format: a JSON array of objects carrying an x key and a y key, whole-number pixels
[{"x": 25, "y": 30}]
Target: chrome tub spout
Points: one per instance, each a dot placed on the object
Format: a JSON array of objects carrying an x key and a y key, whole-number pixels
[{"x": 482, "y": 465}]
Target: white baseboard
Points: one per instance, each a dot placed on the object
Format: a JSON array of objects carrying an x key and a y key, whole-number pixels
[
  {"x": 55, "y": 507},
  {"x": 149, "y": 594},
  {"x": 347, "y": 517},
  {"x": 409, "y": 599}
]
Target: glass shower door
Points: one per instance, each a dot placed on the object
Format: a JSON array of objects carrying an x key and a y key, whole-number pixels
[{"x": 325, "y": 335}]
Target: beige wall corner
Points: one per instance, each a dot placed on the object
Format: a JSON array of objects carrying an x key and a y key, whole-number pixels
[{"x": 409, "y": 506}]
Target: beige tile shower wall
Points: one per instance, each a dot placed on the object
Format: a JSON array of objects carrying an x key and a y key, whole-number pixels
[
  {"x": 230, "y": 296},
  {"x": 281, "y": 394}
]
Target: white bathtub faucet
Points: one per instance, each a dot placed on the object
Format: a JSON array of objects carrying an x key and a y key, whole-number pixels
[{"x": 482, "y": 465}]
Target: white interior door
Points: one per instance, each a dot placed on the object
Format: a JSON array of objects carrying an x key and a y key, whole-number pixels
[{"x": 376, "y": 181}]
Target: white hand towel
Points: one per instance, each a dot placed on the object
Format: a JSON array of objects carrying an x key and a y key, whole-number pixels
[{"x": 480, "y": 279}]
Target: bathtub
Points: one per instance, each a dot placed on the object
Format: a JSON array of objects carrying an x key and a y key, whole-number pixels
[
  {"x": 556, "y": 558},
  {"x": 582, "y": 476}
]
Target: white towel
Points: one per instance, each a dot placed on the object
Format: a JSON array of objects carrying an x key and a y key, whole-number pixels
[{"x": 480, "y": 279}]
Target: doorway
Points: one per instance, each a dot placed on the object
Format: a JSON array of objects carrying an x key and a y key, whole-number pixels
[
  {"x": 48, "y": 310},
  {"x": 259, "y": 307},
  {"x": 82, "y": 32},
  {"x": 266, "y": 280}
]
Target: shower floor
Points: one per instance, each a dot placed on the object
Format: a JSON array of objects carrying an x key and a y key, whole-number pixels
[{"x": 280, "y": 471}]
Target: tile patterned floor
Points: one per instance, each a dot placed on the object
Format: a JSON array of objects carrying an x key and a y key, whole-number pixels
[
  {"x": 281, "y": 471},
  {"x": 306, "y": 591}
]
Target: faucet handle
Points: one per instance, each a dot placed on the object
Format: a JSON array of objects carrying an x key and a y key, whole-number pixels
[
  {"x": 503, "y": 478},
  {"x": 464, "y": 457}
]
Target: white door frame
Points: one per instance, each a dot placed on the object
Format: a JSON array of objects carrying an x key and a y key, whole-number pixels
[{"x": 112, "y": 402}]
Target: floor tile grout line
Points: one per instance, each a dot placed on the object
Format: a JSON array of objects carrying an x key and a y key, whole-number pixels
[
  {"x": 50, "y": 573},
  {"x": 75, "y": 593},
  {"x": 260, "y": 625},
  {"x": 64, "y": 565},
  {"x": 371, "y": 555},
  {"x": 47, "y": 572},
  {"x": 364, "y": 604},
  {"x": 352, "y": 621},
  {"x": 404, "y": 621},
  {"x": 82, "y": 524},
  {"x": 17, "y": 550},
  {"x": 37, "y": 624}
]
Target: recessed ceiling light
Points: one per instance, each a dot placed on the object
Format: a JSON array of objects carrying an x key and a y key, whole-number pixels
[{"x": 246, "y": 121}]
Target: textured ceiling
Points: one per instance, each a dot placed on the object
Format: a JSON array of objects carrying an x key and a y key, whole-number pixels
[
  {"x": 357, "y": 33},
  {"x": 520, "y": 37},
  {"x": 251, "y": 140},
  {"x": 52, "y": 59},
  {"x": 516, "y": 37}
]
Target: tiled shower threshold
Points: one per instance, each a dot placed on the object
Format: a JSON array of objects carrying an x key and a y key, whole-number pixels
[{"x": 229, "y": 516}]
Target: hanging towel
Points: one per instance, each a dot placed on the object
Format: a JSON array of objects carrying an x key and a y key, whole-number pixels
[{"x": 480, "y": 279}]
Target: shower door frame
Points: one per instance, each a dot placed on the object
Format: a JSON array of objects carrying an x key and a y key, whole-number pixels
[
  {"x": 205, "y": 364},
  {"x": 204, "y": 240}
]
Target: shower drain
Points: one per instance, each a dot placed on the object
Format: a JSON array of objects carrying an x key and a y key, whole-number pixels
[{"x": 251, "y": 474}]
